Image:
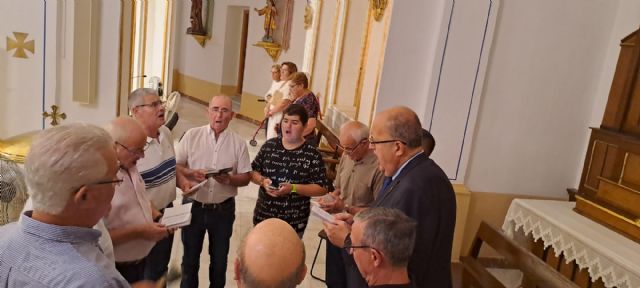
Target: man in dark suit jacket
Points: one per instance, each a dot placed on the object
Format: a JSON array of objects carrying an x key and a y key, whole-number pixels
[{"x": 417, "y": 186}]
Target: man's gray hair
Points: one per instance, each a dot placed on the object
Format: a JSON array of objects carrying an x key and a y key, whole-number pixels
[
  {"x": 135, "y": 98},
  {"x": 358, "y": 131},
  {"x": 61, "y": 160},
  {"x": 120, "y": 128},
  {"x": 250, "y": 281},
  {"x": 389, "y": 231},
  {"x": 405, "y": 127}
]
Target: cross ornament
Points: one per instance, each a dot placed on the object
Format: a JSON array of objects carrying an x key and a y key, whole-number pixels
[
  {"x": 55, "y": 115},
  {"x": 20, "y": 45}
]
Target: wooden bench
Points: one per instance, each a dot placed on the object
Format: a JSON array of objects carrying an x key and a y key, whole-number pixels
[
  {"x": 536, "y": 272},
  {"x": 328, "y": 148}
]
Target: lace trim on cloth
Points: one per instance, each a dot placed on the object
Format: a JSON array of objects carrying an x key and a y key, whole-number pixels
[{"x": 598, "y": 266}]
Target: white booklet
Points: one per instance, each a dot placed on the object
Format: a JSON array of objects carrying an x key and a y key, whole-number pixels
[
  {"x": 178, "y": 216},
  {"x": 323, "y": 215}
]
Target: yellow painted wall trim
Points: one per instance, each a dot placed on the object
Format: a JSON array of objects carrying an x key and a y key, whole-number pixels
[
  {"x": 194, "y": 87},
  {"x": 463, "y": 198},
  {"x": 229, "y": 90},
  {"x": 250, "y": 106}
]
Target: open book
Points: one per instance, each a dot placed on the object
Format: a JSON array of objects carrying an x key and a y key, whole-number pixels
[{"x": 178, "y": 216}]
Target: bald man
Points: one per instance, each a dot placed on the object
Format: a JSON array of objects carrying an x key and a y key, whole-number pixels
[
  {"x": 415, "y": 185},
  {"x": 272, "y": 255},
  {"x": 131, "y": 219}
]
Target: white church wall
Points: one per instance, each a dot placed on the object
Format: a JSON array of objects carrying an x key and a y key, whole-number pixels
[
  {"x": 203, "y": 66},
  {"x": 540, "y": 88}
]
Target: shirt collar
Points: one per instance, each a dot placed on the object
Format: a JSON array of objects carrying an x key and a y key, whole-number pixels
[
  {"x": 70, "y": 234},
  {"x": 213, "y": 134},
  {"x": 405, "y": 164},
  {"x": 368, "y": 158}
]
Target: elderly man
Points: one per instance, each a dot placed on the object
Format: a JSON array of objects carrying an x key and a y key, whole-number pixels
[
  {"x": 271, "y": 255},
  {"x": 131, "y": 219},
  {"x": 71, "y": 174},
  {"x": 357, "y": 182},
  {"x": 157, "y": 168},
  {"x": 211, "y": 147},
  {"x": 382, "y": 240},
  {"x": 417, "y": 186}
]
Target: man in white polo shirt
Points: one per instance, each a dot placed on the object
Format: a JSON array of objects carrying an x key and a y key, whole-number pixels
[
  {"x": 157, "y": 168},
  {"x": 211, "y": 147}
]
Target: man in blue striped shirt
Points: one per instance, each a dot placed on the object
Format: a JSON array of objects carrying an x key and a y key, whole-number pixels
[
  {"x": 71, "y": 175},
  {"x": 157, "y": 168}
]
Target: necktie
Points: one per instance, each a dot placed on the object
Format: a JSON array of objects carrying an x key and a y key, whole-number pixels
[{"x": 385, "y": 184}]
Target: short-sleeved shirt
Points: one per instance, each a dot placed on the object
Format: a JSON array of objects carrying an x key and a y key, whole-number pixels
[
  {"x": 130, "y": 206},
  {"x": 359, "y": 181},
  {"x": 302, "y": 165},
  {"x": 158, "y": 169},
  {"x": 200, "y": 149},
  {"x": 310, "y": 104},
  {"x": 37, "y": 254}
]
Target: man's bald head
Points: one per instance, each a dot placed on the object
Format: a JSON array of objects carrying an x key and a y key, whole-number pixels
[
  {"x": 401, "y": 123},
  {"x": 271, "y": 255}
]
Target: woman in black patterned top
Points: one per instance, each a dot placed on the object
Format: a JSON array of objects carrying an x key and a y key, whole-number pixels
[{"x": 289, "y": 172}]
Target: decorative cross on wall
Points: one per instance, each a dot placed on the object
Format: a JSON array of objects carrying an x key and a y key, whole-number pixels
[
  {"x": 20, "y": 45},
  {"x": 55, "y": 115}
]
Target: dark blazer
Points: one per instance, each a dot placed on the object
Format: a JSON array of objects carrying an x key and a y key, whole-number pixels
[{"x": 423, "y": 192}]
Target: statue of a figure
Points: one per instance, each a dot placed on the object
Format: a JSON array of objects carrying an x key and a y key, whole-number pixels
[
  {"x": 269, "y": 13},
  {"x": 196, "y": 18}
]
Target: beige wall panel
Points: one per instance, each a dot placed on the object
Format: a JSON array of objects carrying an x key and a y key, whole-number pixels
[
  {"x": 353, "y": 42},
  {"x": 323, "y": 52}
]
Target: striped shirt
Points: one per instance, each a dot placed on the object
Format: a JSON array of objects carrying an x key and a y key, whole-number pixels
[
  {"x": 158, "y": 169},
  {"x": 36, "y": 254}
]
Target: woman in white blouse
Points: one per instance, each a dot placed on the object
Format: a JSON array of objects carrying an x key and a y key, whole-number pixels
[{"x": 278, "y": 96}]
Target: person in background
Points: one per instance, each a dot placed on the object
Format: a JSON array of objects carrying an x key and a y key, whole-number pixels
[
  {"x": 300, "y": 94},
  {"x": 289, "y": 171},
  {"x": 428, "y": 142},
  {"x": 275, "y": 100},
  {"x": 271, "y": 255},
  {"x": 286, "y": 70}
]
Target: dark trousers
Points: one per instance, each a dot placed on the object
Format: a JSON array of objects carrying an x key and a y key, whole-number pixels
[
  {"x": 158, "y": 259},
  {"x": 131, "y": 271},
  {"x": 341, "y": 269},
  {"x": 217, "y": 221}
]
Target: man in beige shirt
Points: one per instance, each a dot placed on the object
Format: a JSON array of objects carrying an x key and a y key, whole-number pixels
[
  {"x": 130, "y": 221},
  {"x": 211, "y": 147},
  {"x": 357, "y": 182}
]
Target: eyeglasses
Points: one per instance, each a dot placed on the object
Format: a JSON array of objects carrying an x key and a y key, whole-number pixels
[
  {"x": 350, "y": 150},
  {"x": 134, "y": 152},
  {"x": 153, "y": 105},
  {"x": 114, "y": 183},
  {"x": 349, "y": 248},
  {"x": 373, "y": 142},
  {"x": 220, "y": 110}
]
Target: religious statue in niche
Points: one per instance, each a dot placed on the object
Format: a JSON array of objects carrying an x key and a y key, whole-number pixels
[
  {"x": 197, "y": 24},
  {"x": 270, "y": 12}
]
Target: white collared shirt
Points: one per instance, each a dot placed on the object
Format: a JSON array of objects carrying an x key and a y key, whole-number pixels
[
  {"x": 199, "y": 149},
  {"x": 130, "y": 206}
]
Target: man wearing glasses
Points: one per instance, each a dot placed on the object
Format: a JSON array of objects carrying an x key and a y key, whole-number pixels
[
  {"x": 382, "y": 240},
  {"x": 357, "y": 182},
  {"x": 415, "y": 185},
  {"x": 157, "y": 168},
  {"x": 131, "y": 219},
  {"x": 211, "y": 147},
  {"x": 71, "y": 171}
]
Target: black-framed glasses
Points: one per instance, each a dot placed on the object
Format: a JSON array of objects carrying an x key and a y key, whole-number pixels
[
  {"x": 373, "y": 142},
  {"x": 115, "y": 182},
  {"x": 134, "y": 152},
  {"x": 349, "y": 248},
  {"x": 351, "y": 149},
  {"x": 154, "y": 104}
]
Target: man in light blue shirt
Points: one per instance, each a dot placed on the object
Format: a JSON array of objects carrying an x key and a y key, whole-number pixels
[{"x": 71, "y": 175}]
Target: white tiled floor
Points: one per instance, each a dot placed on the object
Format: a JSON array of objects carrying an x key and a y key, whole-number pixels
[{"x": 192, "y": 115}]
